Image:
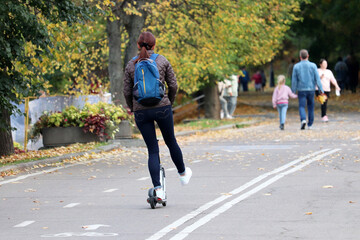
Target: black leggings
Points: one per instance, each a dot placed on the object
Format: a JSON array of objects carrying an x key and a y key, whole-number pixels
[
  {"x": 145, "y": 120},
  {"x": 324, "y": 105}
]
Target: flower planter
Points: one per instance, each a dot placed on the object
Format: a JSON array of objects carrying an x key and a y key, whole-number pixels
[
  {"x": 125, "y": 130},
  {"x": 62, "y": 136}
]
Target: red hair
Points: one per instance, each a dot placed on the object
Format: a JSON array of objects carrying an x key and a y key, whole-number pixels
[{"x": 146, "y": 41}]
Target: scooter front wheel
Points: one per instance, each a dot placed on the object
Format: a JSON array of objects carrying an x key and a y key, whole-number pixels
[{"x": 152, "y": 203}]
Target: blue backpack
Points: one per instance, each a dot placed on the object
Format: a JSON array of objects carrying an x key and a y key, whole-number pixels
[{"x": 148, "y": 90}]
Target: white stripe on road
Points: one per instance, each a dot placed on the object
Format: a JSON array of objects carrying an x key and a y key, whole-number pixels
[
  {"x": 143, "y": 178},
  {"x": 355, "y": 139},
  {"x": 24, "y": 224},
  {"x": 71, "y": 205},
  {"x": 196, "y": 161},
  {"x": 170, "y": 169},
  {"x": 111, "y": 190},
  {"x": 184, "y": 233},
  {"x": 206, "y": 206}
]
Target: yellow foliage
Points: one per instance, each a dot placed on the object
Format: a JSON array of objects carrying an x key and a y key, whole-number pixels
[{"x": 214, "y": 38}]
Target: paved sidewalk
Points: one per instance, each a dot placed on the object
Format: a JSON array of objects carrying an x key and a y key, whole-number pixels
[{"x": 114, "y": 144}]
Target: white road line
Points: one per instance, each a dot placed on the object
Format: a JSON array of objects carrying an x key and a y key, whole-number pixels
[
  {"x": 110, "y": 190},
  {"x": 143, "y": 178},
  {"x": 184, "y": 233},
  {"x": 196, "y": 161},
  {"x": 24, "y": 224},
  {"x": 71, "y": 205},
  {"x": 355, "y": 139},
  {"x": 170, "y": 169},
  {"x": 208, "y": 205}
]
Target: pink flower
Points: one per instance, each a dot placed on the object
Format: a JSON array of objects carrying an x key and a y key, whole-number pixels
[{"x": 65, "y": 120}]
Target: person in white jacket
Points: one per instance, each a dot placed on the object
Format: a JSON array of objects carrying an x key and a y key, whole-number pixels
[
  {"x": 231, "y": 93},
  {"x": 326, "y": 77},
  {"x": 222, "y": 85}
]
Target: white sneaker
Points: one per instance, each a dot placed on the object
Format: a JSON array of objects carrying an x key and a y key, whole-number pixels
[
  {"x": 186, "y": 178},
  {"x": 160, "y": 193},
  {"x": 303, "y": 124},
  {"x": 221, "y": 114},
  {"x": 229, "y": 117}
]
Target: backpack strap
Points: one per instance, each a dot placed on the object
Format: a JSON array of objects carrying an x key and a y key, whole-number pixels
[{"x": 154, "y": 56}]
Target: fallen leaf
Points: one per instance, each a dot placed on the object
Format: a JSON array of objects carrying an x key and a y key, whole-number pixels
[
  {"x": 226, "y": 194},
  {"x": 328, "y": 186},
  {"x": 30, "y": 190},
  {"x": 92, "y": 177},
  {"x": 308, "y": 213},
  {"x": 351, "y": 202}
]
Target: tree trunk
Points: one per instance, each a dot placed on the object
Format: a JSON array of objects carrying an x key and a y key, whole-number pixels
[
  {"x": 212, "y": 103},
  {"x": 134, "y": 25},
  {"x": 116, "y": 70},
  {"x": 272, "y": 78},
  {"x": 6, "y": 141}
]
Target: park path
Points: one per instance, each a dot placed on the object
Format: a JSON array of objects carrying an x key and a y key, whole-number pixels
[{"x": 252, "y": 183}]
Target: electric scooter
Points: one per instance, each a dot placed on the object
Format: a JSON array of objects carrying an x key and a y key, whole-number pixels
[{"x": 152, "y": 199}]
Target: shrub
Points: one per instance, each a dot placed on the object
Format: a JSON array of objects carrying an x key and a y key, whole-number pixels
[{"x": 100, "y": 118}]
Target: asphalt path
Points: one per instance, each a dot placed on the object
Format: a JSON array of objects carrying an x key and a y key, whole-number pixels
[{"x": 252, "y": 183}]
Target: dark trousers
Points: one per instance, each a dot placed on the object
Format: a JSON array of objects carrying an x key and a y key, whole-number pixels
[
  {"x": 145, "y": 121},
  {"x": 245, "y": 86},
  {"x": 324, "y": 105}
]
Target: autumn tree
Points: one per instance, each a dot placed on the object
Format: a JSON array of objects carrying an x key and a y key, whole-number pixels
[
  {"x": 21, "y": 23},
  {"x": 208, "y": 40},
  {"x": 123, "y": 28}
]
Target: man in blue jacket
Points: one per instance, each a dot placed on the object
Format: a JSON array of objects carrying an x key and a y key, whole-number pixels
[{"x": 305, "y": 77}]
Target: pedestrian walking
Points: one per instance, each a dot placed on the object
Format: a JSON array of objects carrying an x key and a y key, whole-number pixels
[
  {"x": 341, "y": 73},
  {"x": 159, "y": 112},
  {"x": 326, "y": 77},
  {"x": 305, "y": 77},
  {"x": 257, "y": 80},
  {"x": 263, "y": 80},
  {"x": 244, "y": 79},
  {"x": 222, "y": 86},
  {"x": 280, "y": 99},
  {"x": 353, "y": 72},
  {"x": 231, "y": 94}
]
